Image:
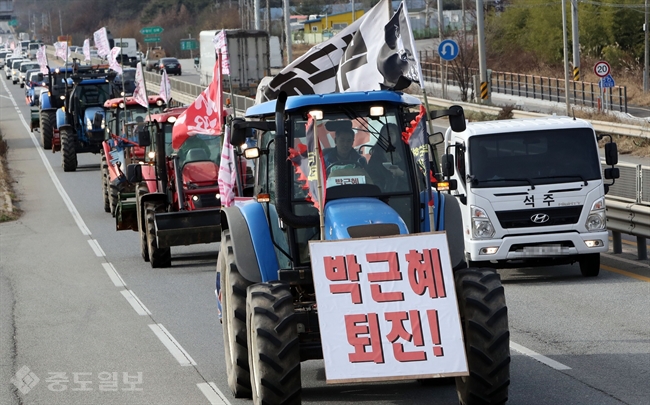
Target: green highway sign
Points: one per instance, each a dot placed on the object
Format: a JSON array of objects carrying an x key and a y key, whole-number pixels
[
  {"x": 13, "y": 23},
  {"x": 151, "y": 39},
  {"x": 150, "y": 31},
  {"x": 189, "y": 44}
]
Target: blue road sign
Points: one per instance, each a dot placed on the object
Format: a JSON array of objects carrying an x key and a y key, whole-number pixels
[
  {"x": 607, "y": 81},
  {"x": 448, "y": 49}
]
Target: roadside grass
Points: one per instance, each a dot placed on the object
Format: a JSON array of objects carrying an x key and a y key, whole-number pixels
[{"x": 6, "y": 213}]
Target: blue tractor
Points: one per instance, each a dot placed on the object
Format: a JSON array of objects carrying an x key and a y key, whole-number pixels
[
  {"x": 265, "y": 288},
  {"x": 72, "y": 112}
]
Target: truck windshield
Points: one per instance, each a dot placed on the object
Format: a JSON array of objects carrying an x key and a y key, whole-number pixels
[{"x": 533, "y": 158}]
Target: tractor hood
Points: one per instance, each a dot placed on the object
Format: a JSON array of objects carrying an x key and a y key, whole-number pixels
[{"x": 361, "y": 217}]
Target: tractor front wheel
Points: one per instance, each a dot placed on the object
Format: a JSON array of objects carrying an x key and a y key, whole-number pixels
[
  {"x": 47, "y": 123},
  {"x": 141, "y": 190},
  {"x": 273, "y": 344},
  {"x": 484, "y": 319},
  {"x": 68, "y": 151},
  {"x": 104, "y": 173},
  {"x": 233, "y": 307},
  {"x": 158, "y": 257}
]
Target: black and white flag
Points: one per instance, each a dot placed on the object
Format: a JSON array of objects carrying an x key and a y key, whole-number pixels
[{"x": 375, "y": 52}]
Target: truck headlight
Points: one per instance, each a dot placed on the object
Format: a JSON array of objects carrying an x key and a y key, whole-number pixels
[
  {"x": 596, "y": 220},
  {"x": 481, "y": 225}
]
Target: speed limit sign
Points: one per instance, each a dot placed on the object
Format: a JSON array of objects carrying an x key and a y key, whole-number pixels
[{"x": 602, "y": 69}]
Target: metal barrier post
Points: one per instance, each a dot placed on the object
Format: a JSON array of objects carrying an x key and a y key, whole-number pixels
[
  {"x": 641, "y": 248},
  {"x": 617, "y": 242}
]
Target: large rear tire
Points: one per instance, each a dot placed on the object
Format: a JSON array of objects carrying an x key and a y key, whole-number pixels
[
  {"x": 104, "y": 173},
  {"x": 590, "y": 264},
  {"x": 158, "y": 257},
  {"x": 141, "y": 189},
  {"x": 46, "y": 125},
  {"x": 273, "y": 344},
  {"x": 68, "y": 151},
  {"x": 233, "y": 306},
  {"x": 484, "y": 319}
]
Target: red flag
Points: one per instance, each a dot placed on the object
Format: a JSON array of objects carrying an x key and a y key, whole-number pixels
[{"x": 204, "y": 115}]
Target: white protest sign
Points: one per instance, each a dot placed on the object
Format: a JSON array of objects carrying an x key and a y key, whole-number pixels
[
  {"x": 387, "y": 308},
  {"x": 101, "y": 42}
]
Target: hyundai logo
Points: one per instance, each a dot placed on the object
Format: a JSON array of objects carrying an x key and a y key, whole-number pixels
[{"x": 540, "y": 218}]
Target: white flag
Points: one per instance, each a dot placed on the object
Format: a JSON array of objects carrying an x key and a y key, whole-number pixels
[
  {"x": 227, "y": 171},
  {"x": 140, "y": 93},
  {"x": 165, "y": 87},
  {"x": 41, "y": 58},
  {"x": 101, "y": 42},
  {"x": 221, "y": 47},
  {"x": 17, "y": 52},
  {"x": 61, "y": 50},
  {"x": 316, "y": 71},
  {"x": 112, "y": 59},
  {"x": 86, "y": 49}
]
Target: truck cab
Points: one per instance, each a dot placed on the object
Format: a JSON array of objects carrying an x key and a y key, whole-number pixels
[{"x": 531, "y": 192}]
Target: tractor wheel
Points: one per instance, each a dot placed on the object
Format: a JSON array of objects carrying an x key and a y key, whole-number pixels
[
  {"x": 484, "y": 319},
  {"x": 141, "y": 190},
  {"x": 113, "y": 197},
  {"x": 233, "y": 307},
  {"x": 590, "y": 264},
  {"x": 68, "y": 152},
  {"x": 273, "y": 345},
  {"x": 47, "y": 122},
  {"x": 104, "y": 172},
  {"x": 157, "y": 257}
]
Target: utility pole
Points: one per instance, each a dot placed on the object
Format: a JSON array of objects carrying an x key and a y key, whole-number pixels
[
  {"x": 566, "y": 59},
  {"x": 353, "y": 14},
  {"x": 60, "y": 23},
  {"x": 646, "y": 72},
  {"x": 256, "y": 10},
  {"x": 576, "y": 40},
  {"x": 443, "y": 75},
  {"x": 482, "y": 60},
  {"x": 287, "y": 29}
]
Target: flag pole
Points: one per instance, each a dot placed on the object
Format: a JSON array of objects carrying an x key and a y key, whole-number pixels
[{"x": 319, "y": 181}]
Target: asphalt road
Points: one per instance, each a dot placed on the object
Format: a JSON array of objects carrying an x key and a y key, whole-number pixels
[{"x": 68, "y": 307}]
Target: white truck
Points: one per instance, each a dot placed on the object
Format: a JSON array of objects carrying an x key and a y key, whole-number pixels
[
  {"x": 129, "y": 51},
  {"x": 531, "y": 192},
  {"x": 249, "y": 57}
]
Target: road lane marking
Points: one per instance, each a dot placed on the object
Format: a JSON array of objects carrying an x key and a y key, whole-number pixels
[
  {"x": 57, "y": 184},
  {"x": 625, "y": 273},
  {"x": 114, "y": 275},
  {"x": 542, "y": 359},
  {"x": 213, "y": 394},
  {"x": 624, "y": 260},
  {"x": 172, "y": 345},
  {"x": 135, "y": 302},
  {"x": 94, "y": 245}
]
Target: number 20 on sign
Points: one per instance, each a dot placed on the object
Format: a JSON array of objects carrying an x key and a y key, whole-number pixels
[{"x": 602, "y": 68}]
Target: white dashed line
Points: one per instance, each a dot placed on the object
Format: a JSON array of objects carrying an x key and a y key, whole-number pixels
[
  {"x": 172, "y": 345},
  {"x": 213, "y": 394},
  {"x": 135, "y": 302},
  {"x": 542, "y": 359},
  {"x": 96, "y": 248},
  {"x": 114, "y": 275}
]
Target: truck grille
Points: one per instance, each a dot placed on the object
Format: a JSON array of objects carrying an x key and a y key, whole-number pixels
[{"x": 523, "y": 218}]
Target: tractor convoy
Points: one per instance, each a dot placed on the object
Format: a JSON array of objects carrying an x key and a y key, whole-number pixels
[{"x": 328, "y": 189}]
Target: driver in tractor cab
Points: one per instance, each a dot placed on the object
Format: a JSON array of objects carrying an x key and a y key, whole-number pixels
[{"x": 343, "y": 154}]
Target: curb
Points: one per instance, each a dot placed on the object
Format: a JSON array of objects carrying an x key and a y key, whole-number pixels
[{"x": 4, "y": 190}]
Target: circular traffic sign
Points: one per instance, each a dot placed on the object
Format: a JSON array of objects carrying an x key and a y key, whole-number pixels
[
  {"x": 602, "y": 68},
  {"x": 448, "y": 49}
]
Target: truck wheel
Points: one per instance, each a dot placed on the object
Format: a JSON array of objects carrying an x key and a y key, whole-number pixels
[
  {"x": 144, "y": 248},
  {"x": 104, "y": 173},
  {"x": 233, "y": 307},
  {"x": 157, "y": 257},
  {"x": 590, "y": 264},
  {"x": 273, "y": 345},
  {"x": 47, "y": 120},
  {"x": 484, "y": 320},
  {"x": 68, "y": 152}
]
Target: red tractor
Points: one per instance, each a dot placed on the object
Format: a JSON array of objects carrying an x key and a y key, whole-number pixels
[
  {"x": 121, "y": 147},
  {"x": 177, "y": 198}
]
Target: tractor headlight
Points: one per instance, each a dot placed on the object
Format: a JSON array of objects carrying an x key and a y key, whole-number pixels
[
  {"x": 596, "y": 220},
  {"x": 89, "y": 124},
  {"x": 159, "y": 103},
  {"x": 482, "y": 227}
]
